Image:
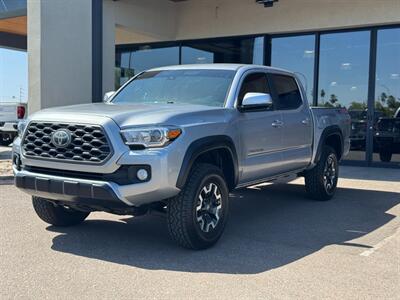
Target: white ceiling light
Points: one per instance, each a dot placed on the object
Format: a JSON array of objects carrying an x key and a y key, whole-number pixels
[{"x": 267, "y": 3}]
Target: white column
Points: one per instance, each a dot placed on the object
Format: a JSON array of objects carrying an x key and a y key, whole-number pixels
[
  {"x": 108, "y": 45},
  {"x": 59, "y": 53}
]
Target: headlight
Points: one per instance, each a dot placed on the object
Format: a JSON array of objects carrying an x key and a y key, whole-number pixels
[
  {"x": 150, "y": 137},
  {"x": 21, "y": 127}
]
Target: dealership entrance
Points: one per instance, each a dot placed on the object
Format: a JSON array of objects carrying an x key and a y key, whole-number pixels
[
  {"x": 346, "y": 53},
  {"x": 358, "y": 69}
]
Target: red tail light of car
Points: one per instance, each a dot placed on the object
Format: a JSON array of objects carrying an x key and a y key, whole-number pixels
[{"x": 20, "y": 112}]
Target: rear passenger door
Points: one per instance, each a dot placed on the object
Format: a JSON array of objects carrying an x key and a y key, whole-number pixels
[{"x": 297, "y": 124}]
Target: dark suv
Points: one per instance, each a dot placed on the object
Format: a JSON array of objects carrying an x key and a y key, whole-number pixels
[{"x": 387, "y": 136}]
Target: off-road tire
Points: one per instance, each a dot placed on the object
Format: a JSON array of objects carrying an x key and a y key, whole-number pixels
[
  {"x": 314, "y": 178},
  {"x": 183, "y": 225},
  {"x": 385, "y": 155},
  {"x": 57, "y": 215}
]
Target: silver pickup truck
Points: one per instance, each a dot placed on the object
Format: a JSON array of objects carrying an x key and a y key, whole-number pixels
[{"x": 178, "y": 140}]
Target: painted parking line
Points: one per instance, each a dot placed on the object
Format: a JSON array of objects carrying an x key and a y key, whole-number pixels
[{"x": 380, "y": 244}]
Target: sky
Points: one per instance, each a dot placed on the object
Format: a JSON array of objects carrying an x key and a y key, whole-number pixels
[{"x": 13, "y": 75}]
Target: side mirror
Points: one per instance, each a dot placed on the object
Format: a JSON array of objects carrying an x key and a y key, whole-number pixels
[
  {"x": 107, "y": 96},
  {"x": 256, "y": 101}
]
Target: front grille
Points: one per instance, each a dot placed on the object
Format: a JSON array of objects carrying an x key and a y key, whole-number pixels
[{"x": 89, "y": 143}]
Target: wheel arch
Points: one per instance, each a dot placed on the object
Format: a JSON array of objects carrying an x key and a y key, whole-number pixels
[
  {"x": 218, "y": 150},
  {"x": 331, "y": 136}
]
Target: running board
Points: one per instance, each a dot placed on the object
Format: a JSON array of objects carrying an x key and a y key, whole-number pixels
[{"x": 283, "y": 176}]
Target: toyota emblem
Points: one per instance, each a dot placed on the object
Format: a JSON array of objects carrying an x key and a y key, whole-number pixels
[{"x": 61, "y": 138}]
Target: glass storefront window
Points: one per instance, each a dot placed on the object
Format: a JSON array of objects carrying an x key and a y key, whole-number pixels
[
  {"x": 130, "y": 63},
  {"x": 296, "y": 54},
  {"x": 343, "y": 81},
  {"x": 228, "y": 50},
  {"x": 387, "y": 97},
  {"x": 343, "y": 75},
  {"x": 12, "y": 5},
  {"x": 13, "y": 75}
]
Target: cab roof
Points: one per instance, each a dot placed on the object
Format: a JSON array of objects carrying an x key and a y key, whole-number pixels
[{"x": 218, "y": 66}]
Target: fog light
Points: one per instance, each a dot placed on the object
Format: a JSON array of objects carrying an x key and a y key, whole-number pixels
[{"x": 142, "y": 174}]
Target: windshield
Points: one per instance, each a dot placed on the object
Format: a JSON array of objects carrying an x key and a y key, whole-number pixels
[{"x": 203, "y": 87}]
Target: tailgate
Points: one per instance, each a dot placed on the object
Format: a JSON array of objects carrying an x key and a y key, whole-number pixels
[{"x": 8, "y": 112}]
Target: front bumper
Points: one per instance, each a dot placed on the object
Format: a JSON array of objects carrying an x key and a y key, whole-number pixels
[
  {"x": 164, "y": 163},
  {"x": 9, "y": 127},
  {"x": 101, "y": 195},
  {"x": 96, "y": 195}
]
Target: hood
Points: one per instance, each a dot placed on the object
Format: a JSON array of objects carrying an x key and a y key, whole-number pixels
[{"x": 126, "y": 115}]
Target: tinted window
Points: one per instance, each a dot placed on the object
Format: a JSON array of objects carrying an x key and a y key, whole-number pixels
[
  {"x": 132, "y": 62},
  {"x": 296, "y": 53},
  {"x": 203, "y": 87},
  {"x": 254, "y": 83},
  {"x": 288, "y": 94},
  {"x": 343, "y": 70},
  {"x": 343, "y": 81},
  {"x": 387, "y": 95},
  {"x": 229, "y": 50}
]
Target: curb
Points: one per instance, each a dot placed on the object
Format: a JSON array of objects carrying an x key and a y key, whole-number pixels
[{"x": 6, "y": 178}]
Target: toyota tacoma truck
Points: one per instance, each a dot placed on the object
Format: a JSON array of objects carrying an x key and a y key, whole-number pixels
[{"x": 178, "y": 140}]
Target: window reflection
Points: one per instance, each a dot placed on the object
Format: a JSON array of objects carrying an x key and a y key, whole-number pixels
[
  {"x": 343, "y": 81},
  {"x": 130, "y": 63},
  {"x": 296, "y": 54},
  {"x": 229, "y": 50},
  {"x": 387, "y": 97}
]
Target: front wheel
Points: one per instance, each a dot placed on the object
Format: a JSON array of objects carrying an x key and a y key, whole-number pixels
[
  {"x": 197, "y": 216},
  {"x": 57, "y": 215},
  {"x": 321, "y": 181}
]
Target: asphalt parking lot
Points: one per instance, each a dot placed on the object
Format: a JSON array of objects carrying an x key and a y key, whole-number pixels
[{"x": 278, "y": 244}]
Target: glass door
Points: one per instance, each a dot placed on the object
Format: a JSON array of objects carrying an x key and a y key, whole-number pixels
[
  {"x": 343, "y": 82},
  {"x": 386, "y": 122}
]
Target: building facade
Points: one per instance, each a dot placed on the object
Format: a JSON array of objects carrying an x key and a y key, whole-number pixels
[{"x": 346, "y": 52}]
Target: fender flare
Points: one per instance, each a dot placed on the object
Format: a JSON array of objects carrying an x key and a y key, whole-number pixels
[
  {"x": 327, "y": 132},
  {"x": 203, "y": 145}
]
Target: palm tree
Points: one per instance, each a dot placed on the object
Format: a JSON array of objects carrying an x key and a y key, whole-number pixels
[
  {"x": 333, "y": 99},
  {"x": 323, "y": 95}
]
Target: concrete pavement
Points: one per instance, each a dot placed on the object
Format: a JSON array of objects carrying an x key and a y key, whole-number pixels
[{"x": 277, "y": 244}]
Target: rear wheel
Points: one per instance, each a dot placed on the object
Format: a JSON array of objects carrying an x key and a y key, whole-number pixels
[
  {"x": 321, "y": 181},
  {"x": 197, "y": 216},
  {"x": 57, "y": 215}
]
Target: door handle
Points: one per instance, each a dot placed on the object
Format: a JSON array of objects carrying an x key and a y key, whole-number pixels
[
  {"x": 277, "y": 123},
  {"x": 305, "y": 121}
]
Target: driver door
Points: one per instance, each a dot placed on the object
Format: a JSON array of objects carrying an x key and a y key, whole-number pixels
[{"x": 260, "y": 133}]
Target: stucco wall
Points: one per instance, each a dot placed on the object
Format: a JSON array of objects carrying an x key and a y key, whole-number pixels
[
  {"x": 141, "y": 21},
  {"x": 151, "y": 19},
  {"x": 213, "y": 18}
]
